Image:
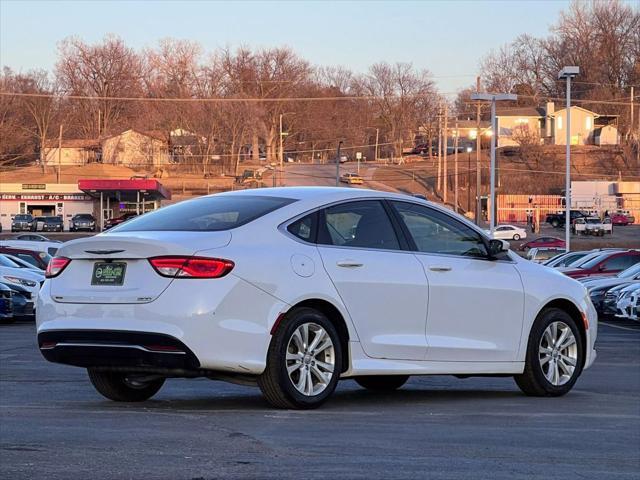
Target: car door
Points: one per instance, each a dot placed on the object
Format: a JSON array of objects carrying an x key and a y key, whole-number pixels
[
  {"x": 383, "y": 287},
  {"x": 476, "y": 305}
]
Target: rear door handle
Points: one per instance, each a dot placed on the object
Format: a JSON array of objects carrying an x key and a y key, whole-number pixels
[
  {"x": 439, "y": 268},
  {"x": 349, "y": 264}
]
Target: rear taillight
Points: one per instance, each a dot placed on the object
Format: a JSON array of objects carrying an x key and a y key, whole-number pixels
[
  {"x": 191, "y": 267},
  {"x": 56, "y": 266}
]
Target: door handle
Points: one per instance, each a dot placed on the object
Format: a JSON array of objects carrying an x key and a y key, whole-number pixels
[
  {"x": 349, "y": 263},
  {"x": 439, "y": 268}
]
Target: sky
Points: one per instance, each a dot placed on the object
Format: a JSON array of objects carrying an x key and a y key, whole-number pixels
[{"x": 448, "y": 38}]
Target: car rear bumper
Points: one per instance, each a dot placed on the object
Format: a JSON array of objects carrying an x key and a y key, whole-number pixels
[
  {"x": 224, "y": 323},
  {"x": 116, "y": 349}
]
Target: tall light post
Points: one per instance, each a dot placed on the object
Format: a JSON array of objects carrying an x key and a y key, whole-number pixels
[
  {"x": 568, "y": 73},
  {"x": 493, "y": 98},
  {"x": 281, "y": 156},
  {"x": 469, "y": 179}
]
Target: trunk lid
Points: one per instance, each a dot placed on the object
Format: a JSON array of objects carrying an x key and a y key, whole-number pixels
[{"x": 140, "y": 282}]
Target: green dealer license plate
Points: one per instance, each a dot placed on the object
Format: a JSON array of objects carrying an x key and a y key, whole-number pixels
[{"x": 108, "y": 273}]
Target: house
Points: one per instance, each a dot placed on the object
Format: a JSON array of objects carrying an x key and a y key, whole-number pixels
[
  {"x": 518, "y": 124},
  {"x": 136, "y": 147},
  {"x": 548, "y": 126},
  {"x": 76, "y": 151}
]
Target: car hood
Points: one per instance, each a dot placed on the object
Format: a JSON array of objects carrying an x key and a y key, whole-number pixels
[{"x": 606, "y": 283}]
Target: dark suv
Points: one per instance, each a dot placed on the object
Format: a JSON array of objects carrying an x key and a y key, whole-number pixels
[
  {"x": 23, "y": 223},
  {"x": 53, "y": 224},
  {"x": 82, "y": 221}
]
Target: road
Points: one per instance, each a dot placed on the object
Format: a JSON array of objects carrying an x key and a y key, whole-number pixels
[{"x": 53, "y": 425}]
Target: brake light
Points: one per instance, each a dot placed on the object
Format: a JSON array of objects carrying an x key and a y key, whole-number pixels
[
  {"x": 191, "y": 267},
  {"x": 56, "y": 266}
]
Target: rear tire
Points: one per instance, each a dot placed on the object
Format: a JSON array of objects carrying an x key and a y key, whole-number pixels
[
  {"x": 119, "y": 388},
  {"x": 555, "y": 223},
  {"x": 516, "y": 237},
  {"x": 554, "y": 357},
  {"x": 382, "y": 383},
  {"x": 295, "y": 364}
]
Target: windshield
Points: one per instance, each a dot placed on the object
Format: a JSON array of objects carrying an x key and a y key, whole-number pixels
[
  {"x": 594, "y": 261},
  {"x": 593, "y": 221},
  {"x": 6, "y": 262},
  {"x": 84, "y": 216},
  {"x": 581, "y": 261},
  {"x": 22, "y": 218},
  {"x": 207, "y": 214},
  {"x": 53, "y": 220},
  {"x": 630, "y": 272}
]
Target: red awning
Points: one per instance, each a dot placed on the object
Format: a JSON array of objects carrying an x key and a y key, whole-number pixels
[{"x": 125, "y": 189}]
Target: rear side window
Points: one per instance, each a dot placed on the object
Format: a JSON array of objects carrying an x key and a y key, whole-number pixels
[
  {"x": 304, "y": 228},
  {"x": 207, "y": 214}
]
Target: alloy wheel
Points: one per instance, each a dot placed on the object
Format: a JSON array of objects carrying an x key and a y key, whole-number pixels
[
  {"x": 558, "y": 353},
  {"x": 310, "y": 359}
]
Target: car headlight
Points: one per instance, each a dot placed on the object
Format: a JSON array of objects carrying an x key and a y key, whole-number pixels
[{"x": 20, "y": 281}]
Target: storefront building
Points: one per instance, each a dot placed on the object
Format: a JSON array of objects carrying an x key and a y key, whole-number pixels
[
  {"x": 42, "y": 200},
  {"x": 104, "y": 199}
]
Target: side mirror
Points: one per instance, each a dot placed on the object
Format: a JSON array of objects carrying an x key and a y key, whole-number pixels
[{"x": 497, "y": 246}]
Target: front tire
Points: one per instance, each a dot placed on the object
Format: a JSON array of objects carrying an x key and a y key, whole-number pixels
[
  {"x": 120, "y": 387},
  {"x": 303, "y": 362},
  {"x": 382, "y": 383},
  {"x": 555, "y": 223},
  {"x": 555, "y": 355}
]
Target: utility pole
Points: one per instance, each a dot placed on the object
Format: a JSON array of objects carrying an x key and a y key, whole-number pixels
[
  {"x": 439, "y": 148},
  {"x": 444, "y": 152},
  {"x": 59, "y": 152},
  {"x": 478, "y": 148},
  {"x": 281, "y": 156},
  {"x": 455, "y": 168},
  {"x": 631, "y": 123},
  {"x": 567, "y": 73},
  {"x": 338, "y": 164},
  {"x": 376, "y": 153}
]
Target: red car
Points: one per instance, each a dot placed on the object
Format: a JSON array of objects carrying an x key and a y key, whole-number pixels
[
  {"x": 607, "y": 264},
  {"x": 543, "y": 242},
  {"x": 37, "y": 259},
  {"x": 112, "y": 222},
  {"x": 621, "y": 219}
]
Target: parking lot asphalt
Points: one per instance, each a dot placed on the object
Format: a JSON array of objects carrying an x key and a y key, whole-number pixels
[{"x": 54, "y": 425}]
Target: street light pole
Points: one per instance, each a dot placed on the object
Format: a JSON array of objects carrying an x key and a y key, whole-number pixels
[
  {"x": 493, "y": 98},
  {"x": 568, "y": 73},
  {"x": 468, "y": 179},
  {"x": 376, "y": 154},
  {"x": 338, "y": 164},
  {"x": 281, "y": 155}
]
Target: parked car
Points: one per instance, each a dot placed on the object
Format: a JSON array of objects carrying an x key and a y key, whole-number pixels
[
  {"x": 599, "y": 286},
  {"x": 255, "y": 286},
  {"x": 38, "y": 246},
  {"x": 549, "y": 242},
  {"x": 559, "y": 219},
  {"x": 21, "y": 263},
  {"x": 53, "y": 224},
  {"x": 34, "y": 237},
  {"x": 564, "y": 259},
  {"x": 630, "y": 218},
  {"x": 509, "y": 232},
  {"x": 23, "y": 222},
  {"x": 627, "y": 304},
  {"x": 351, "y": 179},
  {"x": 592, "y": 226},
  {"x": 21, "y": 299},
  {"x": 112, "y": 222},
  {"x": 11, "y": 274},
  {"x": 606, "y": 264},
  {"x": 541, "y": 254},
  {"x": 620, "y": 219},
  {"x": 82, "y": 221},
  {"x": 6, "y": 304},
  {"x": 35, "y": 258}
]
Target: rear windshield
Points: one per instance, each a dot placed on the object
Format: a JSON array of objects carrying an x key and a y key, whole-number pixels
[{"x": 207, "y": 214}]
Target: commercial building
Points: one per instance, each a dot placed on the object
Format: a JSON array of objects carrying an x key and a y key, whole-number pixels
[{"x": 103, "y": 199}]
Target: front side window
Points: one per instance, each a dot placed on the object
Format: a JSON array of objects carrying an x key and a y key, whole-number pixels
[
  {"x": 207, "y": 214},
  {"x": 621, "y": 262},
  {"x": 362, "y": 224},
  {"x": 436, "y": 232}
]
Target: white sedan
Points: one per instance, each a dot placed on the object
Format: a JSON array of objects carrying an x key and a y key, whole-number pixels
[
  {"x": 509, "y": 232},
  {"x": 293, "y": 289}
]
